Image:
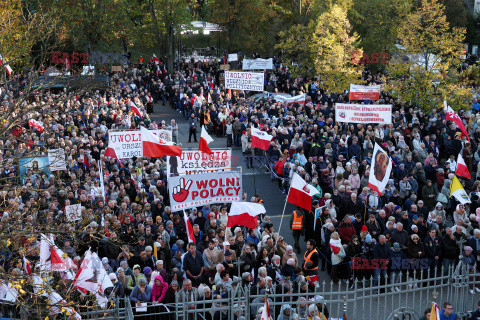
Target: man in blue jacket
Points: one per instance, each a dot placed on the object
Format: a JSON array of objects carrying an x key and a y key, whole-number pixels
[
  {"x": 476, "y": 314},
  {"x": 447, "y": 312}
]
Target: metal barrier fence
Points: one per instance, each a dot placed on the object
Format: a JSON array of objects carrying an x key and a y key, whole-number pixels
[
  {"x": 361, "y": 301},
  {"x": 416, "y": 291}
]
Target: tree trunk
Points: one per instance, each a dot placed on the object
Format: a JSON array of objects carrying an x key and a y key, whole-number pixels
[
  {"x": 170, "y": 41},
  {"x": 156, "y": 30}
]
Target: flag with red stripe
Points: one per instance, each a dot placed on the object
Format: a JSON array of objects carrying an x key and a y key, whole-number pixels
[{"x": 188, "y": 225}]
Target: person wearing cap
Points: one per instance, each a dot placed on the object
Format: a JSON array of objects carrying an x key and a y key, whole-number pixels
[
  {"x": 135, "y": 278},
  {"x": 118, "y": 289}
]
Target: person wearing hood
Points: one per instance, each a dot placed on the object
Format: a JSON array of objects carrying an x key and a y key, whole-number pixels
[
  {"x": 289, "y": 254},
  {"x": 159, "y": 290},
  {"x": 286, "y": 312},
  {"x": 438, "y": 211}
]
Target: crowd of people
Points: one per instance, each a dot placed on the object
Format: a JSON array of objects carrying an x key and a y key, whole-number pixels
[{"x": 144, "y": 245}]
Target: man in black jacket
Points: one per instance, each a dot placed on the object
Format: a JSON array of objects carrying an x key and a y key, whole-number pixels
[
  {"x": 193, "y": 264},
  {"x": 450, "y": 251},
  {"x": 433, "y": 249}
]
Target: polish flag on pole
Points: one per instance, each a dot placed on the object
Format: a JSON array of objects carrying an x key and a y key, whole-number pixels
[
  {"x": 9, "y": 69},
  {"x": 453, "y": 116},
  {"x": 27, "y": 265},
  {"x": 260, "y": 139},
  {"x": 245, "y": 214},
  {"x": 67, "y": 64},
  {"x": 434, "y": 312},
  {"x": 188, "y": 225},
  {"x": 157, "y": 61},
  {"x": 134, "y": 109},
  {"x": 462, "y": 169},
  {"x": 209, "y": 98},
  {"x": 205, "y": 140},
  {"x": 301, "y": 193},
  {"x": 155, "y": 147},
  {"x": 266, "y": 312},
  {"x": 35, "y": 124},
  {"x": 92, "y": 277}
]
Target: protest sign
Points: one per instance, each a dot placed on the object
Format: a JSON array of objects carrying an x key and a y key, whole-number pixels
[
  {"x": 193, "y": 190},
  {"x": 196, "y": 161},
  {"x": 358, "y": 92},
  {"x": 257, "y": 64},
  {"x": 300, "y": 99},
  {"x": 232, "y": 57},
  {"x": 56, "y": 159},
  {"x": 73, "y": 212},
  {"x": 363, "y": 113},
  {"x": 128, "y": 144},
  {"x": 249, "y": 81},
  {"x": 37, "y": 165}
]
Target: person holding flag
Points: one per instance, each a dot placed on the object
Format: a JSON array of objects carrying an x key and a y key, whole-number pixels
[{"x": 457, "y": 191}]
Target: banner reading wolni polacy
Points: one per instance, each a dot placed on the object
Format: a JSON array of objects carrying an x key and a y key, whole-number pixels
[
  {"x": 249, "y": 81},
  {"x": 128, "y": 144},
  {"x": 363, "y": 113},
  {"x": 193, "y": 190},
  {"x": 196, "y": 161}
]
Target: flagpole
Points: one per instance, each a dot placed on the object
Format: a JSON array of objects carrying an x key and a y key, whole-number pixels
[
  {"x": 253, "y": 167},
  {"x": 283, "y": 213}
]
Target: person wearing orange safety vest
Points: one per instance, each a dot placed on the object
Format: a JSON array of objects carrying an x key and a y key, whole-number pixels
[
  {"x": 296, "y": 223},
  {"x": 310, "y": 259}
]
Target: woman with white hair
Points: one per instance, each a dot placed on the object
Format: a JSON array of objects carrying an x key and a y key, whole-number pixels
[{"x": 289, "y": 254}]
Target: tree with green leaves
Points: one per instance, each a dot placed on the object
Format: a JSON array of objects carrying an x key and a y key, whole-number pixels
[
  {"x": 326, "y": 48},
  {"x": 424, "y": 71}
]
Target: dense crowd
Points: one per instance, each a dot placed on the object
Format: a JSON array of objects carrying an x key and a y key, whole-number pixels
[{"x": 144, "y": 245}]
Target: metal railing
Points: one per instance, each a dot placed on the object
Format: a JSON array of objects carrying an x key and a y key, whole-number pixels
[{"x": 360, "y": 301}]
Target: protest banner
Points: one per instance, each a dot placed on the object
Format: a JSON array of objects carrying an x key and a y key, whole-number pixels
[
  {"x": 249, "y": 81},
  {"x": 232, "y": 57},
  {"x": 128, "y": 144},
  {"x": 358, "y": 92},
  {"x": 363, "y": 113},
  {"x": 56, "y": 159},
  {"x": 73, "y": 212},
  {"x": 300, "y": 99},
  {"x": 196, "y": 161},
  {"x": 37, "y": 165},
  {"x": 257, "y": 64},
  {"x": 193, "y": 190}
]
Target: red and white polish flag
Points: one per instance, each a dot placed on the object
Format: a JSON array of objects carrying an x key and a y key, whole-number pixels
[
  {"x": 260, "y": 139},
  {"x": 155, "y": 147},
  {"x": 245, "y": 214},
  {"x": 35, "y": 124},
  {"x": 301, "y": 193},
  {"x": 462, "y": 169},
  {"x": 27, "y": 265},
  {"x": 189, "y": 227},
  {"x": 155, "y": 59},
  {"x": 205, "y": 140},
  {"x": 451, "y": 115},
  {"x": 9, "y": 69},
  {"x": 134, "y": 109},
  {"x": 335, "y": 245}
]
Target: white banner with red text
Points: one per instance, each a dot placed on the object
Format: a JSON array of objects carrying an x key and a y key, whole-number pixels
[
  {"x": 363, "y": 113},
  {"x": 128, "y": 144},
  {"x": 248, "y": 81},
  {"x": 196, "y": 190},
  {"x": 196, "y": 161},
  {"x": 359, "y": 92}
]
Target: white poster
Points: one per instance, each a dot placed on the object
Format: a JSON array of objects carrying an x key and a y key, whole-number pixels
[
  {"x": 128, "y": 144},
  {"x": 196, "y": 161},
  {"x": 196, "y": 190},
  {"x": 73, "y": 212},
  {"x": 232, "y": 57},
  {"x": 56, "y": 159},
  {"x": 359, "y": 92},
  {"x": 248, "y": 81},
  {"x": 363, "y": 113},
  {"x": 257, "y": 64},
  {"x": 88, "y": 70},
  {"x": 300, "y": 99}
]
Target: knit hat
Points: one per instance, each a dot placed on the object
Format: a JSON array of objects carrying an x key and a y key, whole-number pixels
[
  {"x": 368, "y": 239},
  {"x": 147, "y": 270},
  {"x": 137, "y": 266},
  {"x": 364, "y": 228},
  {"x": 413, "y": 226},
  {"x": 112, "y": 276},
  {"x": 468, "y": 249},
  {"x": 291, "y": 262}
]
